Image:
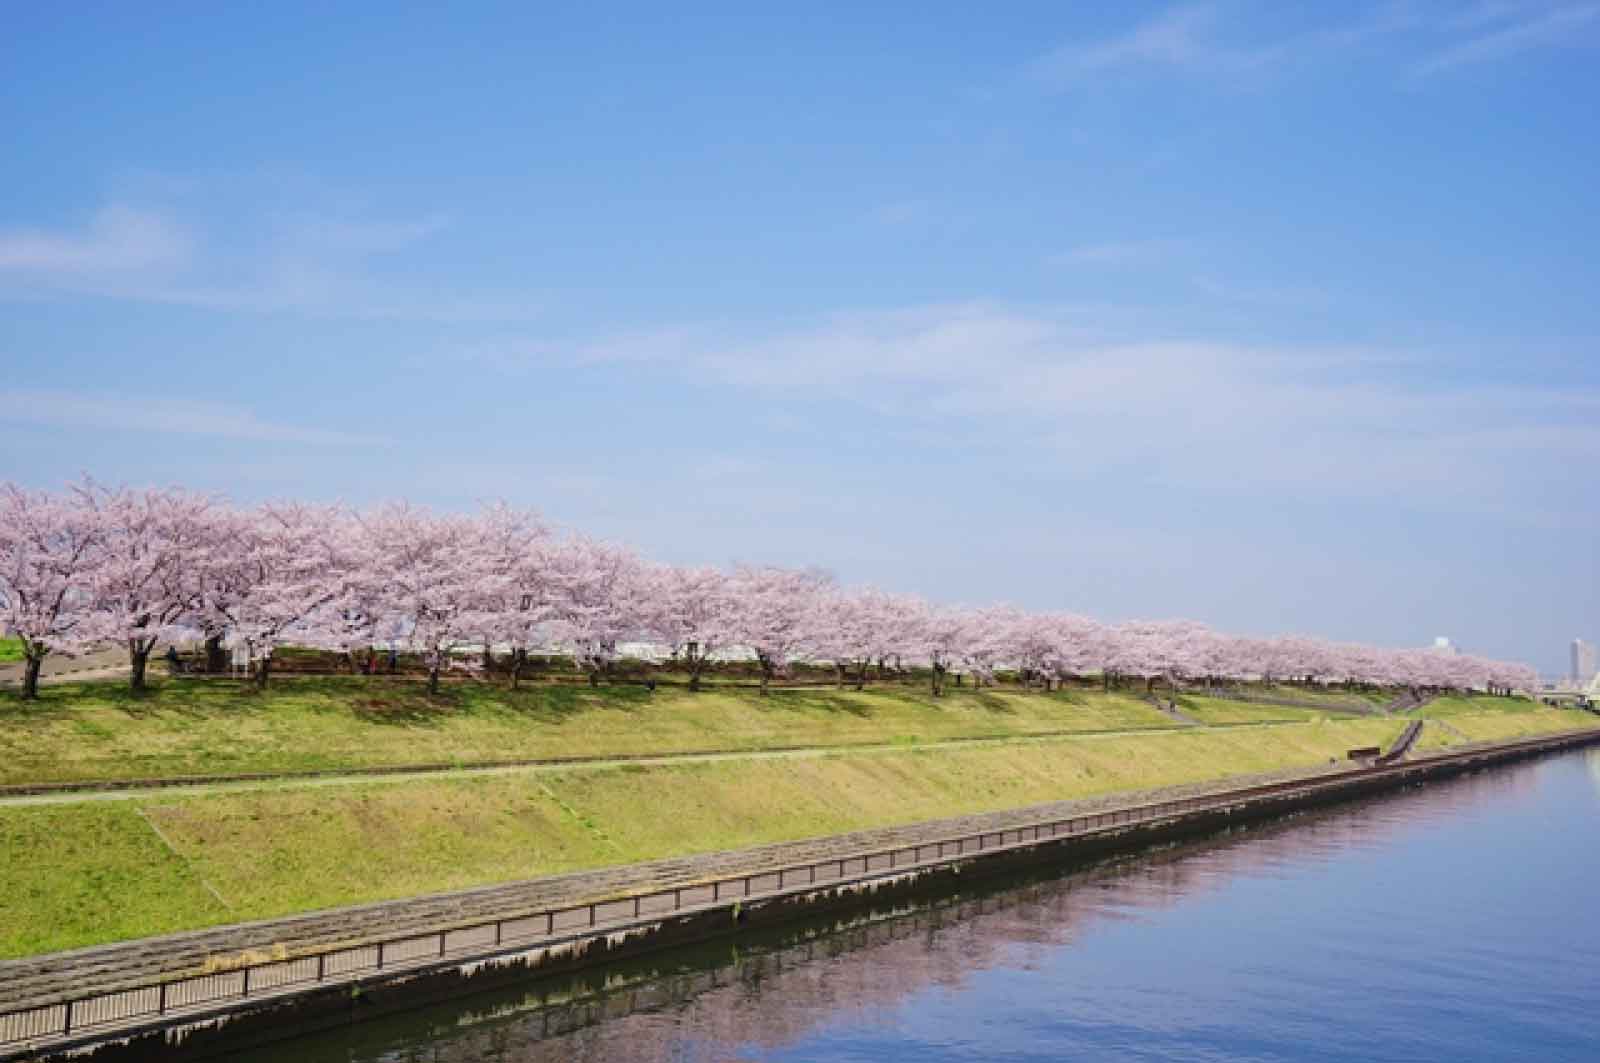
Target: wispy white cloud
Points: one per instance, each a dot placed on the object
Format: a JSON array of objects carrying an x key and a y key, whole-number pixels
[
  {"x": 1117, "y": 253},
  {"x": 1198, "y": 39},
  {"x": 1340, "y": 422},
  {"x": 117, "y": 239},
  {"x": 316, "y": 262},
  {"x": 1514, "y": 30},
  {"x": 106, "y": 412},
  {"x": 1207, "y": 39}
]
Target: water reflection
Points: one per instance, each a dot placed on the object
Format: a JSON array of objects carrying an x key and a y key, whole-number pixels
[{"x": 1226, "y": 946}]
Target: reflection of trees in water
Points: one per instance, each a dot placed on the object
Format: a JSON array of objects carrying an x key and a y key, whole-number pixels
[{"x": 776, "y": 996}]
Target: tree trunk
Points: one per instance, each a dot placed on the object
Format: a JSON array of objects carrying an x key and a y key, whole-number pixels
[
  {"x": 137, "y": 658},
  {"x": 766, "y": 677},
  {"x": 838, "y": 675},
  {"x": 30, "y": 677},
  {"x": 433, "y": 679},
  {"x": 488, "y": 660},
  {"x": 861, "y": 674},
  {"x": 696, "y": 665},
  {"x": 263, "y": 671},
  {"x": 216, "y": 660},
  {"x": 594, "y": 677},
  {"x": 938, "y": 675},
  {"x": 518, "y": 658}
]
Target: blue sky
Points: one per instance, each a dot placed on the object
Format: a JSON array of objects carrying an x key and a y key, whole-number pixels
[{"x": 1281, "y": 319}]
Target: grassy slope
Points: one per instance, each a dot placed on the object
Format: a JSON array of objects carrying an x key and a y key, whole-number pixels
[
  {"x": 1334, "y": 697},
  {"x": 1454, "y": 729},
  {"x": 95, "y": 872},
  {"x": 89, "y": 872},
  {"x": 1475, "y": 705},
  {"x": 98, "y": 731},
  {"x": 1223, "y": 710}
]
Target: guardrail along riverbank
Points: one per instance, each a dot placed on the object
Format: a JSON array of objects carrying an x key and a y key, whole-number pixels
[{"x": 692, "y": 898}]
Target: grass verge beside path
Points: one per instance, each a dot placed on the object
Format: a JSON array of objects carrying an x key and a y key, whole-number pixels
[
  {"x": 98, "y": 731},
  {"x": 89, "y": 873},
  {"x": 10, "y": 650}
]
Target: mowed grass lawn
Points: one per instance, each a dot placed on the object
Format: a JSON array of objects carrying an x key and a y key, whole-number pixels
[
  {"x": 1214, "y": 711},
  {"x": 1333, "y": 697},
  {"x": 1477, "y": 705},
  {"x": 1498, "y": 725},
  {"x": 94, "y": 731},
  {"x": 90, "y": 872},
  {"x": 10, "y": 650}
]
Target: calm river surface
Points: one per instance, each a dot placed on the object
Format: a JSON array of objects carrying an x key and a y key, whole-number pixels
[{"x": 1454, "y": 921}]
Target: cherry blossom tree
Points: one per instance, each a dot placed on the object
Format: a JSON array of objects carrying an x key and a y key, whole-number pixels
[
  {"x": 48, "y": 544},
  {"x": 152, "y": 547},
  {"x": 692, "y": 611},
  {"x": 427, "y": 575},
  {"x": 93, "y": 564},
  {"x": 942, "y": 631},
  {"x": 775, "y": 615},
  {"x": 291, "y": 566},
  {"x": 520, "y": 597},
  {"x": 596, "y": 600}
]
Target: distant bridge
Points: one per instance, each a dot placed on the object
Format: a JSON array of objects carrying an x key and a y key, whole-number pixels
[{"x": 1584, "y": 696}]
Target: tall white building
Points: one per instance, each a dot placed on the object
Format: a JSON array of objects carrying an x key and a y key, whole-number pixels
[{"x": 1585, "y": 661}]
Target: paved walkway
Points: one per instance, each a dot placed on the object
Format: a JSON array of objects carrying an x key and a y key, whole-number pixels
[{"x": 59, "y": 668}]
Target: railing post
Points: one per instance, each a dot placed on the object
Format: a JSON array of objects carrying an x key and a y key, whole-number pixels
[
  {"x": 322, "y": 961},
  {"x": 549, "y": 923},
  {"x": 161, "y": 1000},
  {"x": 66, "y": 1022},
  {"x": 441, "y": 943},
  {"x": 498, "y": 928},
  {"x": 591, "y": 915},
  {"x": 380, "y": 955},
  {"x": 636, "y": 900},
  {"x": 244, "y": 984}
]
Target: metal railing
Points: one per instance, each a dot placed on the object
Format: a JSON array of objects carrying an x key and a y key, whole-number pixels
[{"x": 199, "y": 994}]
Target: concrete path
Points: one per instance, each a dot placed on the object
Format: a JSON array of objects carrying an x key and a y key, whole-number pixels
[{"x": 59, "y": 668}]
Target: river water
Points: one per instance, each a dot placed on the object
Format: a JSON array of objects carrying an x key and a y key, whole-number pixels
[{"x": 1458, "y": 920}]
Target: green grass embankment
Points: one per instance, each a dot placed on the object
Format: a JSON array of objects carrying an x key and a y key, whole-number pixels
[
  {"x": 1214, "y": 711},
  {"x": 98, "y": 731},
  {"x": 1499, "y": 725},
  {"x": 1452, "y": 705},
  {"x": 90, "y": 872},
  {"x": 10, "y": 650}
]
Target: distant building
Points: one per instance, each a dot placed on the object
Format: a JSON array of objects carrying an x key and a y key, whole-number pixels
[
  {"x": 1442, "y": 644},
  {"x": 1585, "y": 661}
]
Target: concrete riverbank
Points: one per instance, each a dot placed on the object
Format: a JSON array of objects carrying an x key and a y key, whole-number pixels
[{"x": 661, "y": 905}]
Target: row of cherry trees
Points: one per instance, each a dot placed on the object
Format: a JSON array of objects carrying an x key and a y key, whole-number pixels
[{"x": 94, "y": 565}]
